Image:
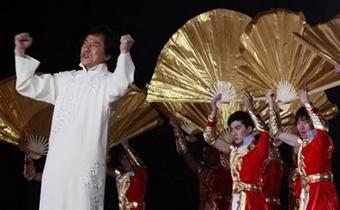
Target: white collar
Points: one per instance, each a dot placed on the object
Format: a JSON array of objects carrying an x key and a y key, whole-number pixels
[
  {"x": 247, "y": 141},
  {"x": 98, "y": 68},
  {"x": 311, "y": 134},
  {"x": 130, "y": 173}
]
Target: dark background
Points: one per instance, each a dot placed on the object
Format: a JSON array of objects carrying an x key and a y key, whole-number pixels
[{"x": 58, "y": 28}]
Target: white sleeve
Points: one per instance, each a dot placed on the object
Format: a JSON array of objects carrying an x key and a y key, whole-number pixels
[
  {"x": 40, "y": 87},
  {"x": 119, "y": 81}
]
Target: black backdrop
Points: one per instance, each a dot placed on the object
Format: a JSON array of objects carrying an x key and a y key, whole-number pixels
[{"x": 57, "y": 28}]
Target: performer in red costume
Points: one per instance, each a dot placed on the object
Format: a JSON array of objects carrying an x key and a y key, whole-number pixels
[
  {"x": 314, "y": 155},
  {"x": 272, "y": 178},
  {"x": 294, "y": 183},
  {"x": 213, "y": 174},
  {"x": 131, "y": 180},
  {"x": 247, "y": 154}
]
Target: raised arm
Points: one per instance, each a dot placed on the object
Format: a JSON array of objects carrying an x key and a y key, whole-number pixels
[
  {"x": 43, "y": 87},
  {"x": 318, "y": 121},
  {"x": 209, "y": 133},
  {"x": 132, "y": 156},
  {"x": 22, "y": 42},
  {"x": 255, "y": 116},
  {"x": 124, "y": 73},
  {"x": 275, "y": 122},
  {"x": 30, "y": 171},
  {"x": 337, "y": 68},
  {"x": 182, "y": 149}
]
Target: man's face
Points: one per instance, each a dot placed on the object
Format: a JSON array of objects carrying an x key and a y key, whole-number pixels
[
  {"x": 303, "y": 125},
  {"x": 93, "y": 51},
  {"x": 125, "y": 163},
  {"x": 239, "y": 131}
]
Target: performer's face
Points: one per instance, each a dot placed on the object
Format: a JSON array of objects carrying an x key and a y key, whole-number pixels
[
  {"x": 125, "y": 163},
  {"x": 239, "y": 131},
  {"x": 303, "y": 125},
  {"x": 93, "y": 51}
]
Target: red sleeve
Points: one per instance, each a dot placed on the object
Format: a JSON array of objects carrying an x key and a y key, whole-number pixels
[{"x": 262, "y": 146}]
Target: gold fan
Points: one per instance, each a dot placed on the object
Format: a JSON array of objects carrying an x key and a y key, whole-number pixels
[
  {"x": 324, "y": 39},
  {"x": 199, "y": 60},
  {"x": 172, "y": 110},
  {"x": 168, "y": 109},
  {"x": 132, "y": 117},
  {"x": 175, "y": 110},
  {"x": 193, "y": 114},
  {"x": 20, "y": 116},
  {"x": 276, "y": 60},
  {"x": 8, "y": 132}
]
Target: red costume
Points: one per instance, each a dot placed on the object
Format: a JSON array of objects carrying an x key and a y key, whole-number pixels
[
  {"x": 214, "y": 181},
  {"x": 131, "y": 185},
  {"x": 215, "y": 188},
  {"x": 247, "y": 167},
  {"x": 272, "y": 179},
  {"x": 294, "y": 184},
  {"x": 315, "y": 167},
  {"x": 131, "y": 188}
]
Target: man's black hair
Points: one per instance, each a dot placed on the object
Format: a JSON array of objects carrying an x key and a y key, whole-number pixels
[
  {"x": 116, "y": 153},
  {"x": 243, "y": 117},
  {"x": 301, "y": 113},
  {"x": 111, "y": 38}
]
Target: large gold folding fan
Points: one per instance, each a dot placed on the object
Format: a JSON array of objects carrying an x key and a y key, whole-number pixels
[
  {"x": 276, "y": 60},
  {"x": 22, "y": 118},
  {"x": 133, "y": 117},
  {"x": 324, "y": 39},
  {"x": 8, "y": 132},
  {"x": 200, "y": 59},
  {"x": 172, "y": 110}
]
